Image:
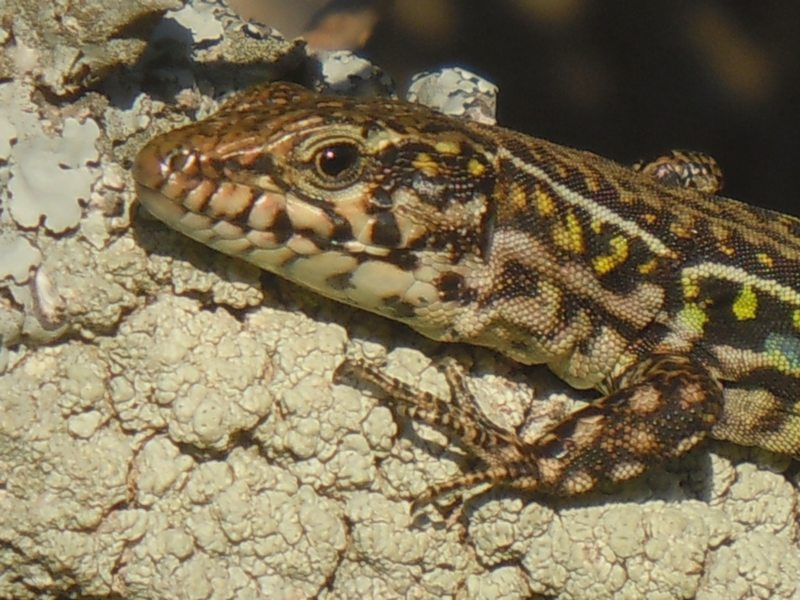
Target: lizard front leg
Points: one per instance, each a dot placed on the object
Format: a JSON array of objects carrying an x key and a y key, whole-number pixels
[
  {"x": 685, "y": 169},
  {"x": 659, "y": 410}
]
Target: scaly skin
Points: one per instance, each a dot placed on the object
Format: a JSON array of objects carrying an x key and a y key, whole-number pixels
[{"x": 680, "y": 307}]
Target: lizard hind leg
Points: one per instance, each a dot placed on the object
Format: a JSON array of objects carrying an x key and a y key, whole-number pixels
[
  {"x": 503, "y": 454},
  {"x": 658, "y": 410}
]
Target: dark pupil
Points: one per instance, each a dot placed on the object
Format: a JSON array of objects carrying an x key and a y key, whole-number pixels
[{"x": 336, "y": 159}]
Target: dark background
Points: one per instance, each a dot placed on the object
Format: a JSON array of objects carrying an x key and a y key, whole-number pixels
[{"x": 628, "y": 80}]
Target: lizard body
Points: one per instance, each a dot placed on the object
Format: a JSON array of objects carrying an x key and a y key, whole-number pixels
[{"x": 681, "y": 307}]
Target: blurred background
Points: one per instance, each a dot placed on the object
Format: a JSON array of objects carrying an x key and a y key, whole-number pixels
[{"x": 627, "y": 80}]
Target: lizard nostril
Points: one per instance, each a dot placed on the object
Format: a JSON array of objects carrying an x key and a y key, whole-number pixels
[{"x": 181, "y": 160}]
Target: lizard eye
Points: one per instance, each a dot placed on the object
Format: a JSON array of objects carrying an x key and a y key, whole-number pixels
[{"x": 338, "y": 164}]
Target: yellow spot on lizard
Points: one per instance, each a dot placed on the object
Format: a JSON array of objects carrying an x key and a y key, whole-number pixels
[
  {"x": 648, "y": 267},
  {"x": 618, "y": 255},
  {"x": 475, "y": 167},
  {"x": 425, "y": 163},
  {"x": 681, "y": 230},
  {"x": 568, "y": 235},
  {"x": 765, "y": 259},
  {"x": 544, "y": 202},
  {"x": 517, "y": 196},
  {"x": 691, "y": 289},
  {"x": 446, "y": 147},
  {"x": 746, "y": 304},
  {"x": 796, "y": 318},
  {"x": 693, "y": 318}
]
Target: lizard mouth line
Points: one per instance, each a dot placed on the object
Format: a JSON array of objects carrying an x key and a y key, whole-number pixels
[{"x": 275, "y": 221}]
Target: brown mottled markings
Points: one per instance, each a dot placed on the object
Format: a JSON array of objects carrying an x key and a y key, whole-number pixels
[
  {"x": 453, "y": 287},
  {"x": 642, "y": 440},
  {"x": 624, "y": 471},
  {"x": 646, "y": 400},
  {"x": 385, "y": 231},
  {"x": 197, "y": 199},
  {"x": 229, "y": 201}
]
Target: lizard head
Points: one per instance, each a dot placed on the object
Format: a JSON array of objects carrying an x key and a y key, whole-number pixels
[{"x": 372, "y": 202}]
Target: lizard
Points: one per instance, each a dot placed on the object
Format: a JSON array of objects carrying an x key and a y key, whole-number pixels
[{"x": 679, "y": 306}]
